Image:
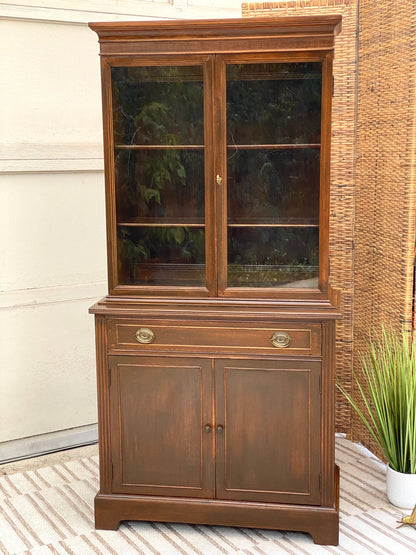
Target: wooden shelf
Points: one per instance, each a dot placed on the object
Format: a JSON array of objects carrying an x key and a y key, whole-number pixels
[
  {"x": 152, "y": 222},
  {"x": 271, "y": 223},
  {"x": 159, "y": 147},
  {"x": 284, "y": 146},
  {"x": 162, "y": 222}
]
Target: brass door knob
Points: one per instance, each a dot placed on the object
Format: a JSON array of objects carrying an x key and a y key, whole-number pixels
[
  {"x": 145, "y": 335},
  {"x": 280, "y": 339}
]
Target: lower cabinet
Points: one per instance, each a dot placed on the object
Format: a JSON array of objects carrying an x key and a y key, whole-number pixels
[
  {"x": 226, "y": 423},
  {"x": 226, "y": 429}
]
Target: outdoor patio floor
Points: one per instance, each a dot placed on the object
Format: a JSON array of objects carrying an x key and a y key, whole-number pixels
[{"x": 46, "y": 508}]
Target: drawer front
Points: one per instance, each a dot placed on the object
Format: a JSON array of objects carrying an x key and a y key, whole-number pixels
[{"x": 296, "y": 339}]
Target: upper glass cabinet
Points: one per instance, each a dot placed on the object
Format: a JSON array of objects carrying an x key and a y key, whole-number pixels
[
  {"x": 217, "y": 141},
  {"x": 218, "y": 175}
]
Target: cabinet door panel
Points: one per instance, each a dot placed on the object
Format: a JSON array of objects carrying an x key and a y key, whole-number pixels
[
  {"x": 159, "y": 407},
  {"x": 269, "y": 448}
]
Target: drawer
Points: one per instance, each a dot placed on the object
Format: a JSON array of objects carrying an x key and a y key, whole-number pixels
[{"x": 211, "y": 336}]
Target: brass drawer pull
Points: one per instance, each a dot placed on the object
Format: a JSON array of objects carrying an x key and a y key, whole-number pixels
[
  {"x": 280, "y": 339},
  {"x": 144, "y": 335}
]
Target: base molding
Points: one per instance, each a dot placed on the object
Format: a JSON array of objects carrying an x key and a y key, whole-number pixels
[
  {"x": 322, "y": 523},
  {"x": 47, "y": 443}
]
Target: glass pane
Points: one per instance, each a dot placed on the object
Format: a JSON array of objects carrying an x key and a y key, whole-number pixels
[
  {"x": 273, "y": 186},
  {"x": 171, "y": 256},
  {"x": 160, "y": 184},
  {"x": 273, "y": 257},
  {"x": 158, "y": 105},
  {"x": 274, "y": 103}
]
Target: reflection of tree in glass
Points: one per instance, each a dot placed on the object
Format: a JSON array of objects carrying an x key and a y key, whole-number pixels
[
  {"x": 275, "y": 185},
  {"x": 271, "y": 256},
  {"x": 273, "y": 103},
  {"x": 157, "y": 106},
  {"x": 159, "y": 184},
  {"x": 274, "y": 246},
  {"x": 162, "y": 245}
]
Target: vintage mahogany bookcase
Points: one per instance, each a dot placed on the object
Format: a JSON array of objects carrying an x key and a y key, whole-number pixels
[{"x": 215, "y": 344}]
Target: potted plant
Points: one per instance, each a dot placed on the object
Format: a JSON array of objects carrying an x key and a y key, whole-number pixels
[{"x": 386, "y": 405}]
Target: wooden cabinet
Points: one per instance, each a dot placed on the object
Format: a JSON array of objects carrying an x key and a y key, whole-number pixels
[{"x": 215, "y": 344}]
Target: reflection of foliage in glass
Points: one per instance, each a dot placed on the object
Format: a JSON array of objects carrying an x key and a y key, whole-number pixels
[
  {"x": 270, "y": 256},
  {"x": 159, "y": 184},
  {"x": 269, "y": 276},
  {"x": 158, "y": 245},
  {"x": 160, "y": 106},
  {"x": 274, "y": 184},
  {"x": 273, "y": 103},
  {"x": 267, "y": 245}
]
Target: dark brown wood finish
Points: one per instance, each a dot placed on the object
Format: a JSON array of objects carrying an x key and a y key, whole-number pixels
[
  {"x": 268, "y": 428},
  {"x": 162, "y": 405},
  {"x": 206, "y": 36},
  {"x": 321, "y": 522},
  {"x": 104, "y": 420},
  {"x": 226, "y": 415},
  {"x": 220, "y": 157},
  {"x": 327, "y": 92},
  {"x": 328, "y": 412},
  {"x": 210, "y": 336},
  {"x": 109, "y": 175},
  {"x": 210, "y": 192}
]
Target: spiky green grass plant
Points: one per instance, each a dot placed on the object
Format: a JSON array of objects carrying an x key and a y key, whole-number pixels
[{"x": 386, "y": 384}]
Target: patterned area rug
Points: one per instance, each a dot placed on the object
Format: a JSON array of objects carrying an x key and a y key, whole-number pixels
[{"x": 49, "y": 510}]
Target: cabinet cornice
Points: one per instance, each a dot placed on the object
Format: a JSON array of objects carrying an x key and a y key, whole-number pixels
[{"x": 206, "y": 36}]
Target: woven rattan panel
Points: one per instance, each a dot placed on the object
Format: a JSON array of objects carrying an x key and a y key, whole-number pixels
[
  {"x": 342, "y": 170},
  {"x": 385, "y": 171}
]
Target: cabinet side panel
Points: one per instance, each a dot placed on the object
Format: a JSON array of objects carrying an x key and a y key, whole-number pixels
[
  {"x": 327, "y": 90},
  {"x": 328, "y": 414},
  {"x": 103, "y": 404},
  {"x": 109, "y": 173}
]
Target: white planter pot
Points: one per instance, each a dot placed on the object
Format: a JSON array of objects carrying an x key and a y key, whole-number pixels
[{"x": 401, "y": 489}]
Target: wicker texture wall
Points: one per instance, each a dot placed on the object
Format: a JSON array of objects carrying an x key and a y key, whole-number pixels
[
  {"x": 385, "y": 171},
  {"x": 342, "y": 171}
]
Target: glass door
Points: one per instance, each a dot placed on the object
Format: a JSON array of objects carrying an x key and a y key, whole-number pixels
[
  {"x": 273, "y": 161},
  {"x": 159, "y": 169}
]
